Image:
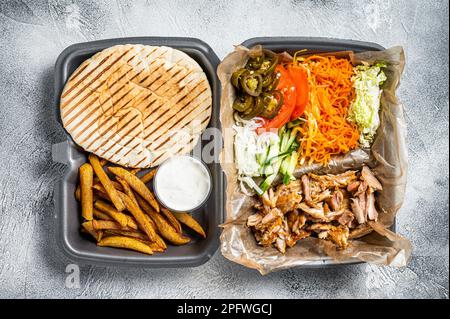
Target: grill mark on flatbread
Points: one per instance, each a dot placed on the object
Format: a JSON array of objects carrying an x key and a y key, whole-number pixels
[
  {"x": 72, "y": 87},
  {"x": 185, "y": 120},
  {"x": 168, "y": 87},
  {"x": 94, "y": 79},
  {"x": 160, "y": 77},
  {"x": 189, "y": 99},
  {"x": 108, "y": 128},
  {"x": 158, "y": 148},
  {"x": 125, "y": 134},
  {"x": 196, "y": 133},
  {"x": 167, "y": 84},
  {"x": 149, "y": 124},
  {"x": 93, "y": 132},
  {"x": 154, "y": 141},
  {"x": 130, "y": 130},
  {"x": 147, "y": 119},
  {"x": 124, "y": 66},
  {"x": 93, "y": 66},
  {"x": 151, "y": 103},
  {"x": 169, "y": 118},
  {"x": 99, "y": 129},
  {"x": 127, "y": 121},
  {"x": 124, "y": 127},
  {"x": 125, "y": 95},
  {"x": 91, "y": 93},
  {"x": 134, "y": 127},
  {"x": 146, "y": 78},
  {"x": 82, "y": 67}
]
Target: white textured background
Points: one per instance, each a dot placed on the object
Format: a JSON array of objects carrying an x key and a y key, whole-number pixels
[{"x": 33, "y": 33}]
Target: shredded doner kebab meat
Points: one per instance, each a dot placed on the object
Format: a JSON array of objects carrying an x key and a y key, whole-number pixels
[{"x": 330, "y": 207}]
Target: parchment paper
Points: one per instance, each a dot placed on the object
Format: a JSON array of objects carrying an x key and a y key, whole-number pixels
[{"x": 387, "y": 158}]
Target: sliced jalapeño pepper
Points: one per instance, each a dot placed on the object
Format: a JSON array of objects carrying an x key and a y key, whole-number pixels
[
  {"x": 267, "y": 80},
  {"x": 272, "y": 103},
  {"x": 274, "y": 83},
  {"x": 243, "y": 102},
  {"x": 269, "y": 63},
  {"x": 235, "y": 78},
  {"x": 255, "y": 61},
  {"x": 251, "y": 83},
  {"x": 254, "y": 111}
]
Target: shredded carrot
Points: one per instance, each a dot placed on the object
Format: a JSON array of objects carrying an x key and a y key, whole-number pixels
[{"x": 326, "y": 131}]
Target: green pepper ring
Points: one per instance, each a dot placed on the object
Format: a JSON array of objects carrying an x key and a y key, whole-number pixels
[{"x": 244, "y": 81}]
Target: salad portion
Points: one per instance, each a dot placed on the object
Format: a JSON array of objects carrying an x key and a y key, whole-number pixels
[{"x": 302, "y": 111}]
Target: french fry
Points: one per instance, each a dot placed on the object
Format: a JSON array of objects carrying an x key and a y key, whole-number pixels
[
  {"x": 151, "y": 221},
  {"x": 171, "y": 219},
  {"x": 108, "y": 224},
  {"x": 167, "y": 231},
  {"x": 131, "y": 222},
  {"x": 136, "y": 184},
  {"x": 137, "y": 213},
  {"x": 126, "y": 233},
  {"x": 154, "y": 246},
  {"x": 160, "y": 242},
  {"x": 127, "y": 243},
  {"x": 164, "y": 228},
  {"x": 127, "y": 190},
  {"x": 101, "y": 195},
  {"x": 119, "y": 217},
  {"x": 98, "y": 186},
  {"x": 189, "y": 221},
  {"x": 101, "y": 215},
  {"x": 134, "y": 171},
  {"x": 158, "y": 238},
  {"x": 148, "y": 176},
  {"x": 97, "y": 234},
  {"x": 103, "y": 162},
  {"x": 106, "y": 182},
  {"x": 87, "y": 196},
  {"x": 78, "y": 193}
]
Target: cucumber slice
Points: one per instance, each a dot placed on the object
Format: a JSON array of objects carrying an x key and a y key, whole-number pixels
[
  {"x": 251, "y": 183},
  {"x": 265, "y": 185},
  {"x": 284, "y": 165},
  {"x": 292, "y": 163}
]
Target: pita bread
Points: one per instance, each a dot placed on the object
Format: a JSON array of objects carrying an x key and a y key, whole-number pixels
[{"x": 137, "y": 105}]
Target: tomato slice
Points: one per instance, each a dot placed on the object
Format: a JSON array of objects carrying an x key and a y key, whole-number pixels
[
  {"x": 299, "y": 77},
  {"x": 287, "y": 88}
]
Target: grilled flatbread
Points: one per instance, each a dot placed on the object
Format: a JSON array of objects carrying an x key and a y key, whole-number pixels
[{"x": 137, "y": 105}]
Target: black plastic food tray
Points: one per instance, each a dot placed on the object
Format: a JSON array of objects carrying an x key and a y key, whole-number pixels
[{"x": 67, "y": 209}]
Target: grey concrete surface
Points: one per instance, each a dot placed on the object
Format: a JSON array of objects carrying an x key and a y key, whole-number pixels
[{"x": 33, "y": 33}]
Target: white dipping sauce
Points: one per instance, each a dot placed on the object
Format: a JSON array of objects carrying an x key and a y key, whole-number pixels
[{"x": 182, "y": 183}]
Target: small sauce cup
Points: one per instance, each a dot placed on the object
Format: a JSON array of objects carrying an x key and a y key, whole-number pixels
[{"x": 182, "y": 183}]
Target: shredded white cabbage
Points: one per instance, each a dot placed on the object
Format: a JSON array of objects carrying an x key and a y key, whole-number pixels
[
  {"x": 365, "y": 108},
  {"x": 247, "y": 146}
]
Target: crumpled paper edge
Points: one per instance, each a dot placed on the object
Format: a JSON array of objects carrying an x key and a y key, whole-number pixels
[{"x": 388, "y": 160}]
